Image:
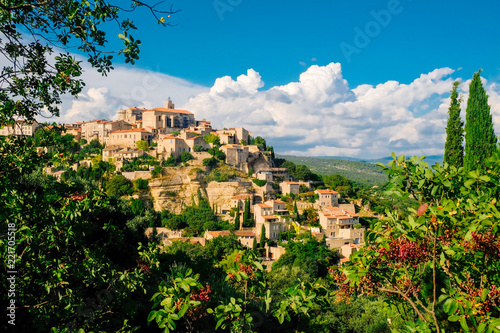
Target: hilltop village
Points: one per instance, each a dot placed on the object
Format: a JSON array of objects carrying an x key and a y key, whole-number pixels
[{"x": 248, "y": 183}]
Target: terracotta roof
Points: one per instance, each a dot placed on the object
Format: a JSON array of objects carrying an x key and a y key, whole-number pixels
[
  {"x": 292, "y": 183},
  {"x": 279, "y": 201},
  {"x": 245, "y": 233},
  {"x": 327, "y": 192},
  {"x": 264, "y": 206},
  {"x": 170, "y": 137},
  {"x": 138, "y": 130},
  {"x": 219, "y": 233}
]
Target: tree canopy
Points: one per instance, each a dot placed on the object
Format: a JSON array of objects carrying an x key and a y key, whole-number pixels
[{"x": 36, "y": 75}]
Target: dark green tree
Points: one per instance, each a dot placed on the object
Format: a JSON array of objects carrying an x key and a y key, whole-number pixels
[
  {"x": 246, "y": 214},
  {"x": 237, "y": 218},
  {"x": 296, "y": 210},
  {"x": 480, "y": 139},
  {"x": 453, "y": 148},
  {"x": 119, "y": 185},
  {"x": 254, "y": 245},
  {"x": 262, "y": 236}
]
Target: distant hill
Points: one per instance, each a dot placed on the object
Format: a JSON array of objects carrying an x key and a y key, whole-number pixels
[
  {"x": 431, "y": 160},
  {"x": 356, "y": 171}
]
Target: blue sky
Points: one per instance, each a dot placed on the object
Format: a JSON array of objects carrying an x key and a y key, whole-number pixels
[
  {"x": 274, "y": 37},
  {"x": 359, "y": 78}
]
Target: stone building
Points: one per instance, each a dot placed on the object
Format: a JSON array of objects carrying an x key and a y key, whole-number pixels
[
  {"x": 20, "y": 128},
  {"x": 327, "y": 198},
  {"x": 128, "y": 138},
  {"x": 290, "y": 187},
  {"x": 340, "y": 227}
]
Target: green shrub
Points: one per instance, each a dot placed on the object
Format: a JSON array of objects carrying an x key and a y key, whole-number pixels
[
  {"x": 259, "y": 182},
  {"x": 119, "y": 185},
  {"x": 186, "y": 156},
  {"x": 141, "y": 184}
]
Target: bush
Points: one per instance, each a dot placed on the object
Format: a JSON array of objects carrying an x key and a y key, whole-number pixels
[
  {"x": 259, "y": 182},
  {"x": 82, "y": 142},
  {"x": 141, "y": 184},
  {"x": 156, "y": 172},
  {"x": 210, "y": 162},
  {"x": 119, "y": 185},
  {"x": 198, "y": 148},
  {"x": 186, "y": 156}
]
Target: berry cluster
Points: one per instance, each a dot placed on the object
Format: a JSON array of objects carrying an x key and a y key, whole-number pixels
[
  {"x": 473, "y": 294},
  {"x": 404, "y": 250},
  {"x": 344, "y": 291},
  {"x": 78, "y": 196},
  {"x": 203, "y": 294},
  {"x": 487, "y": 243},
  {"x": 144, "y": 267}
]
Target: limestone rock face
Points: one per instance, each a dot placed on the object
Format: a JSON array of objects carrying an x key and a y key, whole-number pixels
[
  {"x": 220, "y": 194},
  {"x": 175, "y": 189}
]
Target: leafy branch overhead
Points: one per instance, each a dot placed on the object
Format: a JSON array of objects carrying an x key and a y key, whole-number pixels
[{"x": 37, "y": 37}]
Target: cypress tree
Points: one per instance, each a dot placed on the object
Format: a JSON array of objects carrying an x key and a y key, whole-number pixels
[
  {"x": 480, "y": 139},
  {"x": 296, "y": 211},
  {"x": 237, "y": 218},
  {"x": 263, "y": 236},
  {"x": 453, "y": 148},
  {"x": 246, "y": 213},
  {"x": 254, "y": 245}
]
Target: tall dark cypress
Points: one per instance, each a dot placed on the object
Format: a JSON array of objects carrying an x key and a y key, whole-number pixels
[
  {"x": 263, "y": 236},
  {"x": 453, "y": 148},
  {"x": 480, "y": 139},
  {"x": 237, "y": 218}
]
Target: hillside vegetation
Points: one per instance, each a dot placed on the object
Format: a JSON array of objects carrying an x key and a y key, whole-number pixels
[{"x": 359, "y": 172}]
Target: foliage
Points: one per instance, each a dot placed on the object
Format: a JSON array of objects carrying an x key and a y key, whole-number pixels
[
  {"x": 82, "y": 142},
  {"x": 480, "y": 139},
  {"x": 262, "y": 241},
  {"x": 309, "y": 254},
  {"x": 247, "y": 217},
  {"x": 77, "y": 261},
  {"x": 34, "y": 78},
  {"x": 341, "y": 184},
  {"x": 142, "y": 145},
  {"x": 237, "y": 218},
  {"x": 157, "y": 171},
  {"x": 212, "y": 138},
  {"x": 217, "y": 153},
  {"x": 198, "y": 148},
  {"x": 223, "y": 174},
  {"x": 186, "y": 156},
  {"x": 259, "y": 182},
  {"x": 453, "y": 148},
  {"x": 119, "y": 185},
  {"x": 439, "y": 265},
  {"x": 137, "y": 207},
  {"x": 260, "y": 142},
  {"x": 210, "y": 162},
  {"x": 171, "y": 161},
  {"x": 182, "y": 298},
  {"x": 141, "y": 184}
]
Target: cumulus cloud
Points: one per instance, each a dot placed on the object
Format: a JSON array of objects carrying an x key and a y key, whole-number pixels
[
  {"x": 124, "y": 87},
  {"x": 320, "y": 115}
]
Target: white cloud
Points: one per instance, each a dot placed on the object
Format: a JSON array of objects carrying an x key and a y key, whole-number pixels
[
  {"x": 124, "y": 86},
  {"x": 321, "y": 115}
]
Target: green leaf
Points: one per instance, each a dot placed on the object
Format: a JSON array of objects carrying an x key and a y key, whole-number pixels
[{"x": 152, "y": 316}]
